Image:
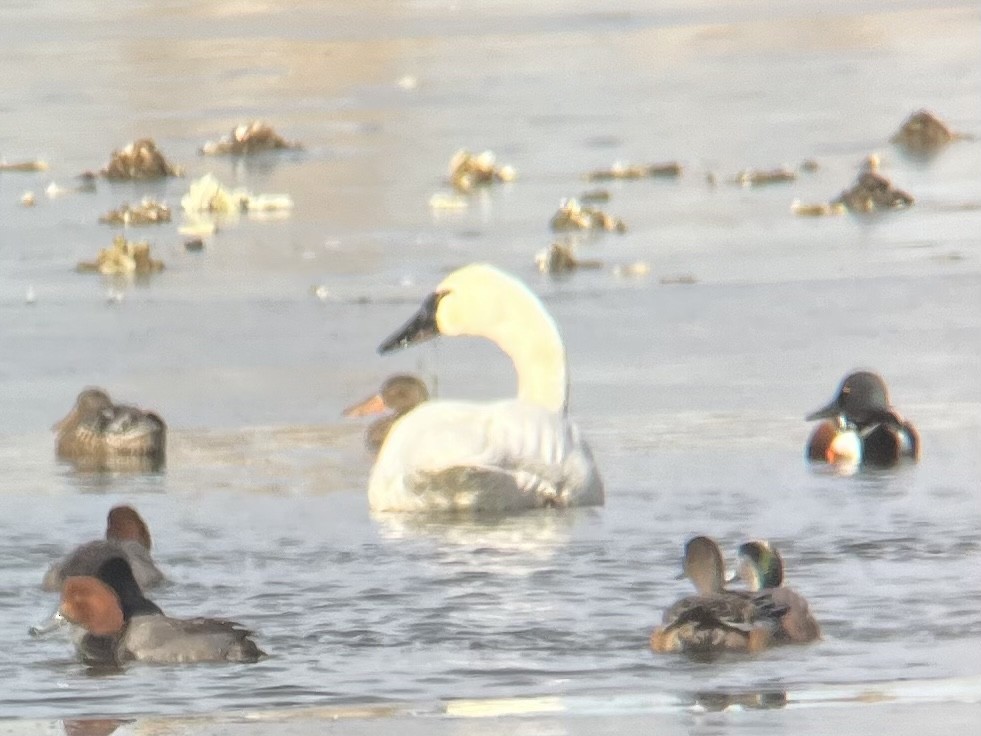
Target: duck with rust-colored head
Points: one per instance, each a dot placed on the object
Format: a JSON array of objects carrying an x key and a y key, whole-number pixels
[
  {"x": 127, "y": 535},
  {"x": 119, "y": 624},
  {"x": 860, "y": 426},
  {"x": 715, "y": 620},
  {"x": 399, "y": 394},
  {"x": 761, "y": 569},
  {"x": 99, "y": 434}
]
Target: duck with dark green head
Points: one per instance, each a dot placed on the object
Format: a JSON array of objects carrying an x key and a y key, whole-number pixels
[
  {"x": 100, "y": 435},
  {"x": 761, "y": 569},
  {"x": 861, "y": 425},
  {"x": 715, "y": 620}
]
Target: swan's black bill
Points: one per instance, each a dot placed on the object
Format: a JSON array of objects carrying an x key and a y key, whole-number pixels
[{"x": 420, "y": 327}]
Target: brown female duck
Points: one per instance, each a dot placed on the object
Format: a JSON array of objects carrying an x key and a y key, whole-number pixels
[
  {"x": 400, "y": 394},
  {"x": 99, "y": 434}
]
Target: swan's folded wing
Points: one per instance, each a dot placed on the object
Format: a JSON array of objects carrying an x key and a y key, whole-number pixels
[{"x": 508, "y": 454}]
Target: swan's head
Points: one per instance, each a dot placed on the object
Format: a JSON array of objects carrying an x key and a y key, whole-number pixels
[
  {"x": 483, "y": 301},
  {"x": 421, "y": 326},
  {"x": 467, "y": 302}
]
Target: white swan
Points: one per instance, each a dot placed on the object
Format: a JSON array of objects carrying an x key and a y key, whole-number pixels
[{"x": 490, "y": 456}]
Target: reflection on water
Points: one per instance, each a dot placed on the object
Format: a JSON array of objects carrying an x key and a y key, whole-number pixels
[
  {"x": 758, "y": 700},
  {"x": 92, "y": 726},
  {"x": 515, "y": 545}
]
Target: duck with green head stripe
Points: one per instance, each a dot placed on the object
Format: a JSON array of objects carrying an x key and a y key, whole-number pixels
[{"x": 761, "y": 569}]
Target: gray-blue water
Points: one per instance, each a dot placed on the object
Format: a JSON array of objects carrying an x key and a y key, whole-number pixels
[{"x": 692, "y": 396}]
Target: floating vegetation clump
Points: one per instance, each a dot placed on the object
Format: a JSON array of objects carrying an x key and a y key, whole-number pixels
[
  {"x": 924, "y": 134},
  {"x": 759, "y": 177},
  {"x": 209, "y": 195},
  {"x": 595, "y": 195},
  {"x": 244, "y": 140},
  {"x": 123, "y": 258},
  {"x": 571, "y": 215},
  {"x": 24, "y": 166},
  {"x": 635, "y": 270},
  {"x": 443, "y": 201},
  {"x": 147, "y": 212},
  {"x": 872, "y": 192},
  {"x": 208, "y": 202},
  {"x": 671, "y": 169},
  {"x": 560, "y": 258},
  {"x": 140, "y": 159},
  {"x": 469, "y": 171},
  {"x": 817, "y": 209}
]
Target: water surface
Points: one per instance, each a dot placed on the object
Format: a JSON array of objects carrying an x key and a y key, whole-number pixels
[{"x": 692, "y": 395}]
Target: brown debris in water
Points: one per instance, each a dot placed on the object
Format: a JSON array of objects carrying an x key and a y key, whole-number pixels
[
  {"x": 573, "y": 216},
  {"x": 559, "y": 258},
  {"x": 635, "y": 270},
  {"x": 670, "y": 169},
  {"x": 147, "y": 212},
  {"x": 924, "y": 134},
  {"x": 873, "y": 192},
  {"x": 759, "y": 178},
  {"x": 595, "y": 195},
  {"x": 24, "y": 166},
  {"x": 244, "y": 140},
  {"x": 123, "y": 258},
  {"x": 468, "y": 171},
  {"x": 141, "y": 159},
  {"x": 817, "y": 209}
]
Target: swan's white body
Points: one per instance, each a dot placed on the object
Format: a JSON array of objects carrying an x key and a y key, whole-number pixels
[{"x": 491, "y": 456}]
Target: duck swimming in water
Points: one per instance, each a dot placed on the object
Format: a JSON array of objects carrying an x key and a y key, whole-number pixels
[
  {"x": 761, "y": 569},
  {"x": 715, "y": 620},
  {"x": 98, "y": 434},
  {"x": 119, "y": 624},
  {"x": 498, "y": 456},
  {"x": 882, "y": 438},
  {"x": 400, "y": 394},
  {"x": 127, "y": 535}
]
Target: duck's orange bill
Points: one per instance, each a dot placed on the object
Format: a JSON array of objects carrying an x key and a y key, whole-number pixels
[{"x": 371, "y": 405}]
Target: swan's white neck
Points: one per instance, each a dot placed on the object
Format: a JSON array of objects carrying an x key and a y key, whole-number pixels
[
  {"x": 532, "y": 342},
  {"x": 480, "y": 300}
]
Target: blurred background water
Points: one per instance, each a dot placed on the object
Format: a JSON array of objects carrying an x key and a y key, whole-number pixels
[{"x": 693, "y": 395}]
